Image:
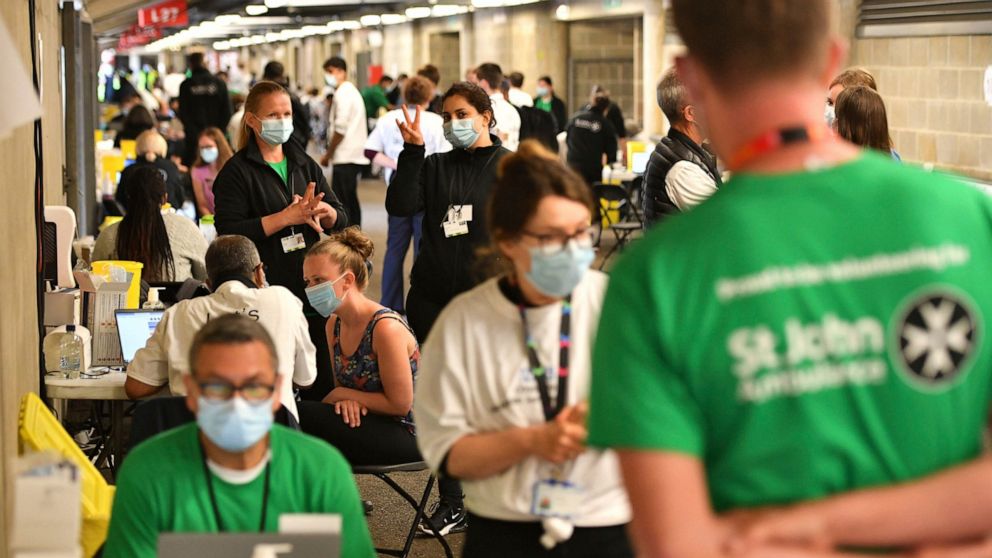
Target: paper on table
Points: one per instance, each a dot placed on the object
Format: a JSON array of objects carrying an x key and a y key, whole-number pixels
[{"x": 20, "y": 104}]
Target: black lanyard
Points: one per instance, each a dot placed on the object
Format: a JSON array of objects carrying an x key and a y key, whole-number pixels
[
  {"x": 213, "y": 498},
  {"x": 539, "y": 371}
]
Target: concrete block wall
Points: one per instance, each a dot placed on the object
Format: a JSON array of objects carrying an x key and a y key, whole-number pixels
[{"x": 933, "y": 90}]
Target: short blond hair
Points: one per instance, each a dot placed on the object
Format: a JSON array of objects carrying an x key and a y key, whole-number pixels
[
  {"x": 747, "y": 41},
  {"x": 855, "y": 77},
  {"x": 150, "y": 142},
  {"x": 351, "y": 250}
]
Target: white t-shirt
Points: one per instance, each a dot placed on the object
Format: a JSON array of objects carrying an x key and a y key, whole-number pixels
[
  {"x": 687, "y": 185},
  {"x": 347, "y": 117},
  {"x": 387, "y": 139},
  {"x": 477, "y": 379},
  {"x": 507, "y": 121},
  {"x": 519, "y": 98},
  {"x": 164, "y": 358}
]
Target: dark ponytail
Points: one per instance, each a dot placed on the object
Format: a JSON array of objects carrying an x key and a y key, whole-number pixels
[{"x": 141, "y": 236}]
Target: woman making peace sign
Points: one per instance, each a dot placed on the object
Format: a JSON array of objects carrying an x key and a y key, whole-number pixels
[{"x": 452, "y": 190}]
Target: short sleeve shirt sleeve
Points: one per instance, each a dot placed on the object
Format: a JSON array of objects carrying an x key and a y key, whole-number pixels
[{"x": 640, "y": 399}]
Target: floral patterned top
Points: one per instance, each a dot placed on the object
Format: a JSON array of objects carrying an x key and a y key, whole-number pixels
[{"x": 360, "y": 371}]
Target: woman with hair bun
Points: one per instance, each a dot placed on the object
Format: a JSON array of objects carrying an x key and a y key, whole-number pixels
[{"x": 374, "y": 357}]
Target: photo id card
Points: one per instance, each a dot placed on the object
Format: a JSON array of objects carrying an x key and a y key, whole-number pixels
[
  {"x": 452, "y": 229},
  {"x": 293, "y": 243},
  {"x": 556, "y": 498}
]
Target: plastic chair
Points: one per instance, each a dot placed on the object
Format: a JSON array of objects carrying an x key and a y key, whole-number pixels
[
  {"x": 383, "y": 472},
  {"x": 39, "y": 430},
  {"x": 616, "y": 209}
]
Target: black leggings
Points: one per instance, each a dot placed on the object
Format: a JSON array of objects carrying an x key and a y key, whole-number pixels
[
  {"x": 378, "y": 440},
  {"x": 491, "y": 538}
]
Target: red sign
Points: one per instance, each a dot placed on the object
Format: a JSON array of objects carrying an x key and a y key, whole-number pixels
[
  {"x": 171, "y": 13},
  {"x": 138, "y": 36}
]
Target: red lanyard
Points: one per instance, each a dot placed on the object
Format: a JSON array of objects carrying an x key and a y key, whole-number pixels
[{"x": 776, "y": 139}]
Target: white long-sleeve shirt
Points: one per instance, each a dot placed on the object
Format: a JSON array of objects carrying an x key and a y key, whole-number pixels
[
  {"x": 476, "y": 379},
  {"x": 688, "y": 185},
  {"x": 165, "y": 357},
  {"x": 347, "y": 117},
  {"x": 507, "y": 121}
]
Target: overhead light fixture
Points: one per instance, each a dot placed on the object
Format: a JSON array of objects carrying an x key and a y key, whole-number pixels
[
  {"x": 335, "y": 26},
  {"x": 271, "y": 4},
  {"x": 271, "y": 37},
  {"x": 256, "y": 9},
  {"x": 418, "y": 12},
  {"x": 445, "y": 10},
  {"x": 351, "y": 24},
  {"x": 562, "y": 12},
  {"x": 227, "y": 19},
  {"x": 487, "y": 3},
  {"x": 258, "y": 39},
  {"x": 393, "y": 19},
  {"x": 222, "y": 45},
  {"x": 370, "y": 20}
]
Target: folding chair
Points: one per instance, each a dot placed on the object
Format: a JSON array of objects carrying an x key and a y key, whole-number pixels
[
  {"x": 383, "y": 472},
  {"x": 615, "y": 211}
]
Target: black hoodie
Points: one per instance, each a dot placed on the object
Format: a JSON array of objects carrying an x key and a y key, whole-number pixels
[
  {"x": 247, "y": 189},
  {"x": 444, "y": 267}
]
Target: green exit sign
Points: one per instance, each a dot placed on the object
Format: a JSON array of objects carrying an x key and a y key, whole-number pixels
[{"x": 610, "y": 4}]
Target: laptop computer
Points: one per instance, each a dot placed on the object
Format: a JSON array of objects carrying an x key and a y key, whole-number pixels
[
  {"x": 248, "y": 545},
  {"x": 134, "y": 327},
  {"x": 640, "y": 162}
]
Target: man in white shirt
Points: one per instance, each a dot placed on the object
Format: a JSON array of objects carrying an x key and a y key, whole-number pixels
[
  {"x": 383, "y": 147},
  {"x": 347, "y": 131},
  {"x": 507, "y": 118},
  {"x": 235, "y": 272},
  {"x": 518, "y": 97}
]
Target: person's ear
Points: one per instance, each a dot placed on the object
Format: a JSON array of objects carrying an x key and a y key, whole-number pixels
[
  {"x": 192, "y": 392},
  {"x": 836, "y": 58},
  {"x": 277, "y": 393},
  {"x": 259, "y": 276},
  {"x": 689, "y": 113}
]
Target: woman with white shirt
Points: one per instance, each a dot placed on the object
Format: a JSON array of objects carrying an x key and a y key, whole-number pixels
[{"x": 490, "y": 412}]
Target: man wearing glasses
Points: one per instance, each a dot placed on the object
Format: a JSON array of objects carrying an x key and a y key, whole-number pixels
[
  {"x": 237, "y": 276},
  {"x": 234, "y": 470}
]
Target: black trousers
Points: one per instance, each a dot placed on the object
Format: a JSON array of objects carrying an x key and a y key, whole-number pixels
[
  {"x": 325, "y": 375},
  {"x": 378, "y": 440},
  {"x": 490, "y": 538},
  {"x": 344, "y": 184}
]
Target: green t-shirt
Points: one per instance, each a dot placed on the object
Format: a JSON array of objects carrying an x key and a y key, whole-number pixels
[
  {"x": 804, "y": 334},
  {"x": 281, "y": 168},
  {"x": 375, "y": 98},
  {"x": 161, "y": 489},
  {"x": 542, "y": 104}
]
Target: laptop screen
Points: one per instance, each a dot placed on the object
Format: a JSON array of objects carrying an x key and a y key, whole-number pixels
[
  {"x": 134, "y": 328},
  {"x": 640, "y": 162}
]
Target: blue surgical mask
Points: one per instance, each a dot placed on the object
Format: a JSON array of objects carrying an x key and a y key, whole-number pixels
[
  {"x": 234, "y": 425},
  {"x": 829, "y": 115},
  {"x": 209, "y": 154},
  {"x": 330, "y": 80},
  {"x": 542, "y": 91},
  {"x": 557, "y": 273},
  {"x": 277, "y": 131},
  {"x": 323, "y": 298},
  {"x": 461, "y": 133}
]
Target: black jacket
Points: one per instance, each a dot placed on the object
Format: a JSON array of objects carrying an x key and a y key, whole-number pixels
[
  {"x": 445, "y": 267},
  {"x": 203, "y": 102},
  {"x": 301, "y": 121},
  {"x": 539, "y": 125},
  {"x": 173, "y": 181},
  {"x": 615, "y": 116},
  {"x": 247, "y": 189},
  {"x": 558, "y": 111},
  {"x": 673, "y": 148},
  {"x": 590, "y": 136}
]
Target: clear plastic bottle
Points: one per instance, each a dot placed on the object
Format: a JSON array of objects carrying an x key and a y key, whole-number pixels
[
  {"x": 207, "y": 228},
  {"x": 153, "y": 302},
  {"x": 70, "y": 353}
]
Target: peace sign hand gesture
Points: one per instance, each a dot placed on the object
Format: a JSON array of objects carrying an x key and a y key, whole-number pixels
[{"x": 411, "y": 128}]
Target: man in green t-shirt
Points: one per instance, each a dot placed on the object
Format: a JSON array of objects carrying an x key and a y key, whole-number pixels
[
  {"x": 816, "y": 327},
  {"x": 375, "y": 97},
  {"x": 232, "y": 471}
]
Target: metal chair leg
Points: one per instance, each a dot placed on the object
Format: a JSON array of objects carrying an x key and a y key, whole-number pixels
[{"x": 419, "y": 513}]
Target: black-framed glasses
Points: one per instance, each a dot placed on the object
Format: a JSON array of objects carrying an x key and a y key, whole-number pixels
[
  {"x": 252, "y": 392},
  {"x": 555, "y": 241}
]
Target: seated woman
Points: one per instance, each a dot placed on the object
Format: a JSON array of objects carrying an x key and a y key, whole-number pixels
[
  {"x": 151, "y": 149},
  {"x": 367, "y": 415},
  {"x": 211, "y": 154},
  {"x": 170, "y": 246},
  {"x": 138, "y": 120},
  {"x": 861, "y": 119}
]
